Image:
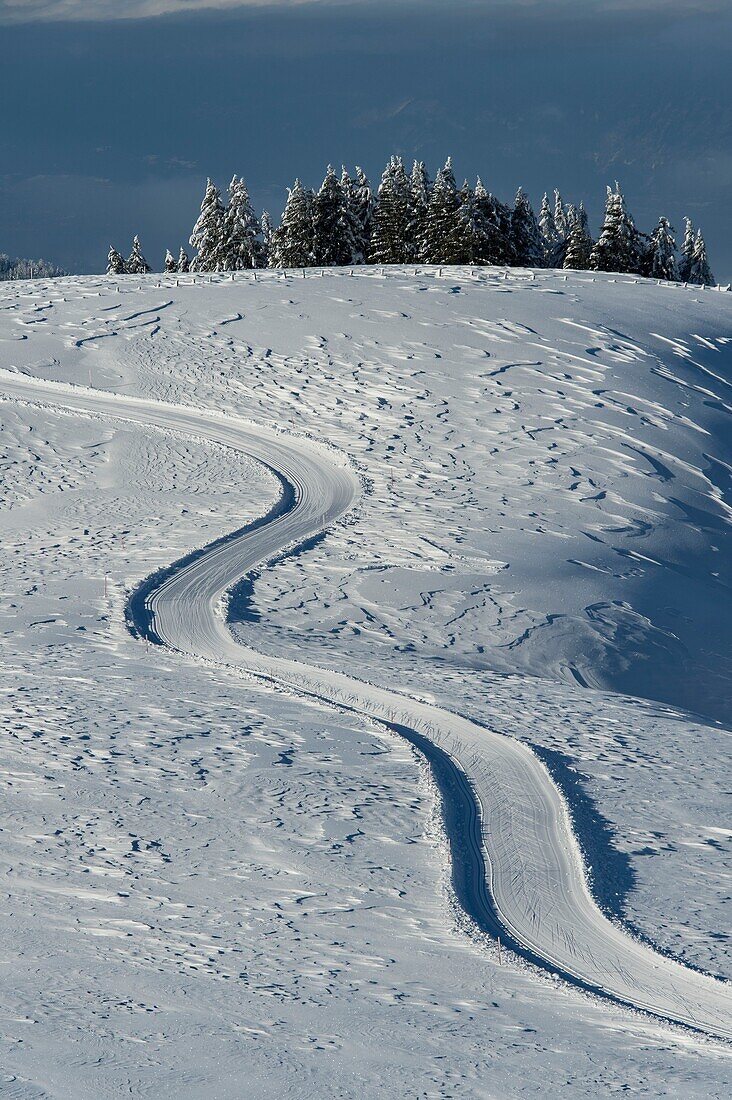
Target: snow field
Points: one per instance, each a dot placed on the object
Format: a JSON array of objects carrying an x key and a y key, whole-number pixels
[{"x": 180, "y": 357}]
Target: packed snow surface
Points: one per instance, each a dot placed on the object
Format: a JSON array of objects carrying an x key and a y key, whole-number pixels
[{"x": 543, "y": 512}]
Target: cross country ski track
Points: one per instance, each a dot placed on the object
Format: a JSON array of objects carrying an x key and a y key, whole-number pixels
[{"x": 517, "y": 868}]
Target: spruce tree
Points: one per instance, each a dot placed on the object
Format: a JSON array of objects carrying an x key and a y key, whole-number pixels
[
  {"x": 660, "y": 259},
  {"x": 548, "y": 230},
  {"x": 352, "y": 218},
  {"x": 241, "y": 248},
  {"x": 184, "y": 262},
  {"x": 417, "y": 203},
  {"x": 638, "y": 243},
  {"x": 137, "y": 264},
  {"x": 292, "y": 241},
  {"x": 504, "y": 252},
  {"x": 267, "y": 232},
  {"x": 363, "y": 209},
  {"x": 562, "y": 225},
  {"x": 687, "y": 252},
  {"x": 619, "y": 247},
  {"x": 486, "y": 225},
  {"x": 493, "y": 226},
  {"x": 115, "y": 262},
  {"x": 526, "y": 238},
  {"x": 560, "y": 217},
  {"x": 579, "y": 242},
  {"x": 171, "y": 264},
  {"x": 208, "y": 232},
  {"x": 439, "y": 243},
  {"x": 467, "y": 238},
  {"x": 333, "y": 243},
  {"x": 389, "y": 237},
  {"x": 700, "y": 273},
  {"x": 607, "y": 245}
]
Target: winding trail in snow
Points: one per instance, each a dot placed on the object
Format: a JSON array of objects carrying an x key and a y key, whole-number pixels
[{"x": 519, "y": 868}]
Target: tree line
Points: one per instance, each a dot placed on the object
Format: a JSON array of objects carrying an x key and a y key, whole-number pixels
[
  {"x": 15, "y": 267},
  {"x": 413, "y": 219}
]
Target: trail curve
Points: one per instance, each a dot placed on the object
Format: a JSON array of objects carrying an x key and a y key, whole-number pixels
[{"x": 528, "y": 871}]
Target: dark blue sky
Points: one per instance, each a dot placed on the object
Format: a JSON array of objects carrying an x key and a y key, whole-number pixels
[{"x": 110, "y": 127}]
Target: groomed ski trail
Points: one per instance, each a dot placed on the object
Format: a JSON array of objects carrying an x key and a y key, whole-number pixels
[{"x": 531, "y": 873}]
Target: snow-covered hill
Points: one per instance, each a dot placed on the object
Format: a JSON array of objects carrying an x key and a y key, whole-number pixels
[{"x": 542, "y": 544}]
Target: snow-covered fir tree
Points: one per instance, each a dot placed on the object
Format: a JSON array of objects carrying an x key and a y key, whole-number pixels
[
  {"x": 363, "y": 209},
  {"x": 637, "y": 242},
  {"x": 170, "y": 264},
  {"x": 333, "y": 239},
  {"x": 241, "y": 248},
  {"x": 467, "y": 238},
  {"x": 115, "y": 262},
  {"x": 208, "y": 232},
  {"x": 389, "y": 236},
  {"x": 351, "y": 214},
  {"x": 700, "y": 273},
  {"x": 548, "y": 230},
  {"x": 184, "y": 260},
  {"x": 267, "y": 230},
  {"x": 486, "y": 225},
  {"x": 660, "y": 258},
  {"x": 583, "y": 217},
  {"x": 619, "y": 246},
  {"x": 579, "y": 243},
  {"x": 687, "y": 252},
  {"x": 504, "y": 215},
  {"x": 561, "y": 222},
  {"x": 440, "y": 239},
  {"x": 420, "y": 187},
  {"x": 136, "y": 263},
  {"x": 493, "y": 224},
  {"x": 292, "y": 241},
  {"x": 525, "y": 235}
]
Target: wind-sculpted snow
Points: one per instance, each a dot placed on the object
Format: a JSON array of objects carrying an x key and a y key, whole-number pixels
[
  {"x": 567, "y": 438},
  {"x": 536, "y": 878},
  {"x": 213, "y": 876}
]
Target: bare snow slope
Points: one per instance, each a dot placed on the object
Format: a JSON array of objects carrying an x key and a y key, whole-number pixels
[{"x": 409, "y": 417}]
